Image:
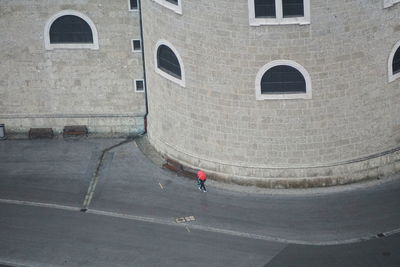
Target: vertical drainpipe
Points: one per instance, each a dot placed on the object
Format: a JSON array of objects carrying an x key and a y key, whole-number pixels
[{"x": 144, "y": 67}]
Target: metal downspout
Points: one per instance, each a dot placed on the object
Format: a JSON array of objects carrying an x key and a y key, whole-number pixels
[{"x": 144, "y": 67}]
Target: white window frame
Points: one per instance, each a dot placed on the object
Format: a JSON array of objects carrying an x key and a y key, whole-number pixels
[
  {"x": 297, "y": 66},
  {"x": 389, "y": 3},
  {"x": 392, "y": 76},
  {"x": 136, "y": 90},
  {"x": 134, "y": 9},
  {"x": 279, "y": 20},
  {"x": 49, "y": 46},
  {"x": 133, "y": 47},
  {"x": 181, "y": 81},
  {"x": 176, "y": 8}
]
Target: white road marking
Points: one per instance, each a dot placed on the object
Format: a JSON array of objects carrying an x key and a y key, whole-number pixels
[
  {"x": 7, "y": 263},
  {"x": 161, "y": 186},
  {"x": 187, "y": 228},
  {"x": 195, "y": 226},
  {"x": 39, "y": 204},
  {"x": 392, "y": 232}
]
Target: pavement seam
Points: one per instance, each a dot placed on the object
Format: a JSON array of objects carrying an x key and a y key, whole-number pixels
[
  {"x": 197, "y": 226},
  {"x": 96, "y": 175}
]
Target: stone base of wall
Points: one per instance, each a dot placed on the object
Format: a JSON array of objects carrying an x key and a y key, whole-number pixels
[
  {"x": 370, "y": 167},
  {"x": 17, "y": 127}
]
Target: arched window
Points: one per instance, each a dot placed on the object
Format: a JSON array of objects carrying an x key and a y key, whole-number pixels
[
  {"x": 70, "y": 29},
  {"x": 394, "y": 63},
  {"x": 168, "y": 63},
  {"x": 283, "y": 79}
]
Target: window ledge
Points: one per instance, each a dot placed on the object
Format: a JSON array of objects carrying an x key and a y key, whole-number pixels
[
  {"x": 71, "y": 46},
  {"x": 176, "y": 8},
  {"x": 393, "y": 77},
  {"x": 389, "y": 3},
  {"x": 283, "y": 96},
  {"x": 170, "y": 77},
  {"x": 261, "y": 22}
]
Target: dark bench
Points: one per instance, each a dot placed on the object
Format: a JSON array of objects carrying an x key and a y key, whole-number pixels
[
  {"x": 75, "y": 131},
  {"x": 41, "y": 133}
]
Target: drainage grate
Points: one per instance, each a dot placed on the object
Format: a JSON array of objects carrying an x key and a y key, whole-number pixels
[
  {"x": 386, "y": 253},
  {"x": 185, "y": 219}
]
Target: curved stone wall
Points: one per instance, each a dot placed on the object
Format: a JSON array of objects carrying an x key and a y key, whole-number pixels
[{"x": 348, "y": 130}]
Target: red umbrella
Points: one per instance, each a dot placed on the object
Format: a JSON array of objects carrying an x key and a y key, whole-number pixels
[{"x": 201, "y": 175}]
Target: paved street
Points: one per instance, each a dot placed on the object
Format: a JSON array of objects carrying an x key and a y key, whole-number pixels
[{"x": 131, "y": 214}]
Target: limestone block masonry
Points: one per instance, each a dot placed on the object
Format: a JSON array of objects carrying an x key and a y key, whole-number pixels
[
  {"x": 53, "y": 88},
  {"x": 348, "y": 131}
]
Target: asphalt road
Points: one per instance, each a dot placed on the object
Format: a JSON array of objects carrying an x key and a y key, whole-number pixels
[
  {"x": 37, "y": 236},
  {"x": 131, "y": 216}
]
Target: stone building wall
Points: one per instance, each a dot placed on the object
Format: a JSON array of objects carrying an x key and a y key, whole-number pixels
[
  {"x": 349, "y": 130},
  {"x": 54, "y": 88}
]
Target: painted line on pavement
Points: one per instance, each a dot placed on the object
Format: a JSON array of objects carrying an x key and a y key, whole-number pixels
[
  {"x": 196, "y": 226},
  {"x": 392, "y": 232},
  {"x": 231, "y": 232},
  {"x": 39, "y": 204},
  {"x": 193, "y": 226},
  {"x": 11, "y": 264}
]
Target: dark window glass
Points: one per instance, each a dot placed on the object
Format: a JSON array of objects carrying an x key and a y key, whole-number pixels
[
  {"x": 282, "y": 79},
  {"x": 70, "y": 29},
  {"x": 133, "y": 4},
  {"x": 396, "y": 62},
  {"x": 136, "y": 45},
  {"x": 175, "y": 2},
  {"x": 264, "y": 8},
  {"x": 168, "y": 62},
  {"x": 293, "y": 8},
  {"x": 139, "y": 85}
]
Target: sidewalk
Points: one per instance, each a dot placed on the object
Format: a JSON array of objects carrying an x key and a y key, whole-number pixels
[{"x": 52, "y": 171}]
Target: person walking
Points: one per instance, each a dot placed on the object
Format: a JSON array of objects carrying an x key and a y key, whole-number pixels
[{"x": 201, "y": 178}]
